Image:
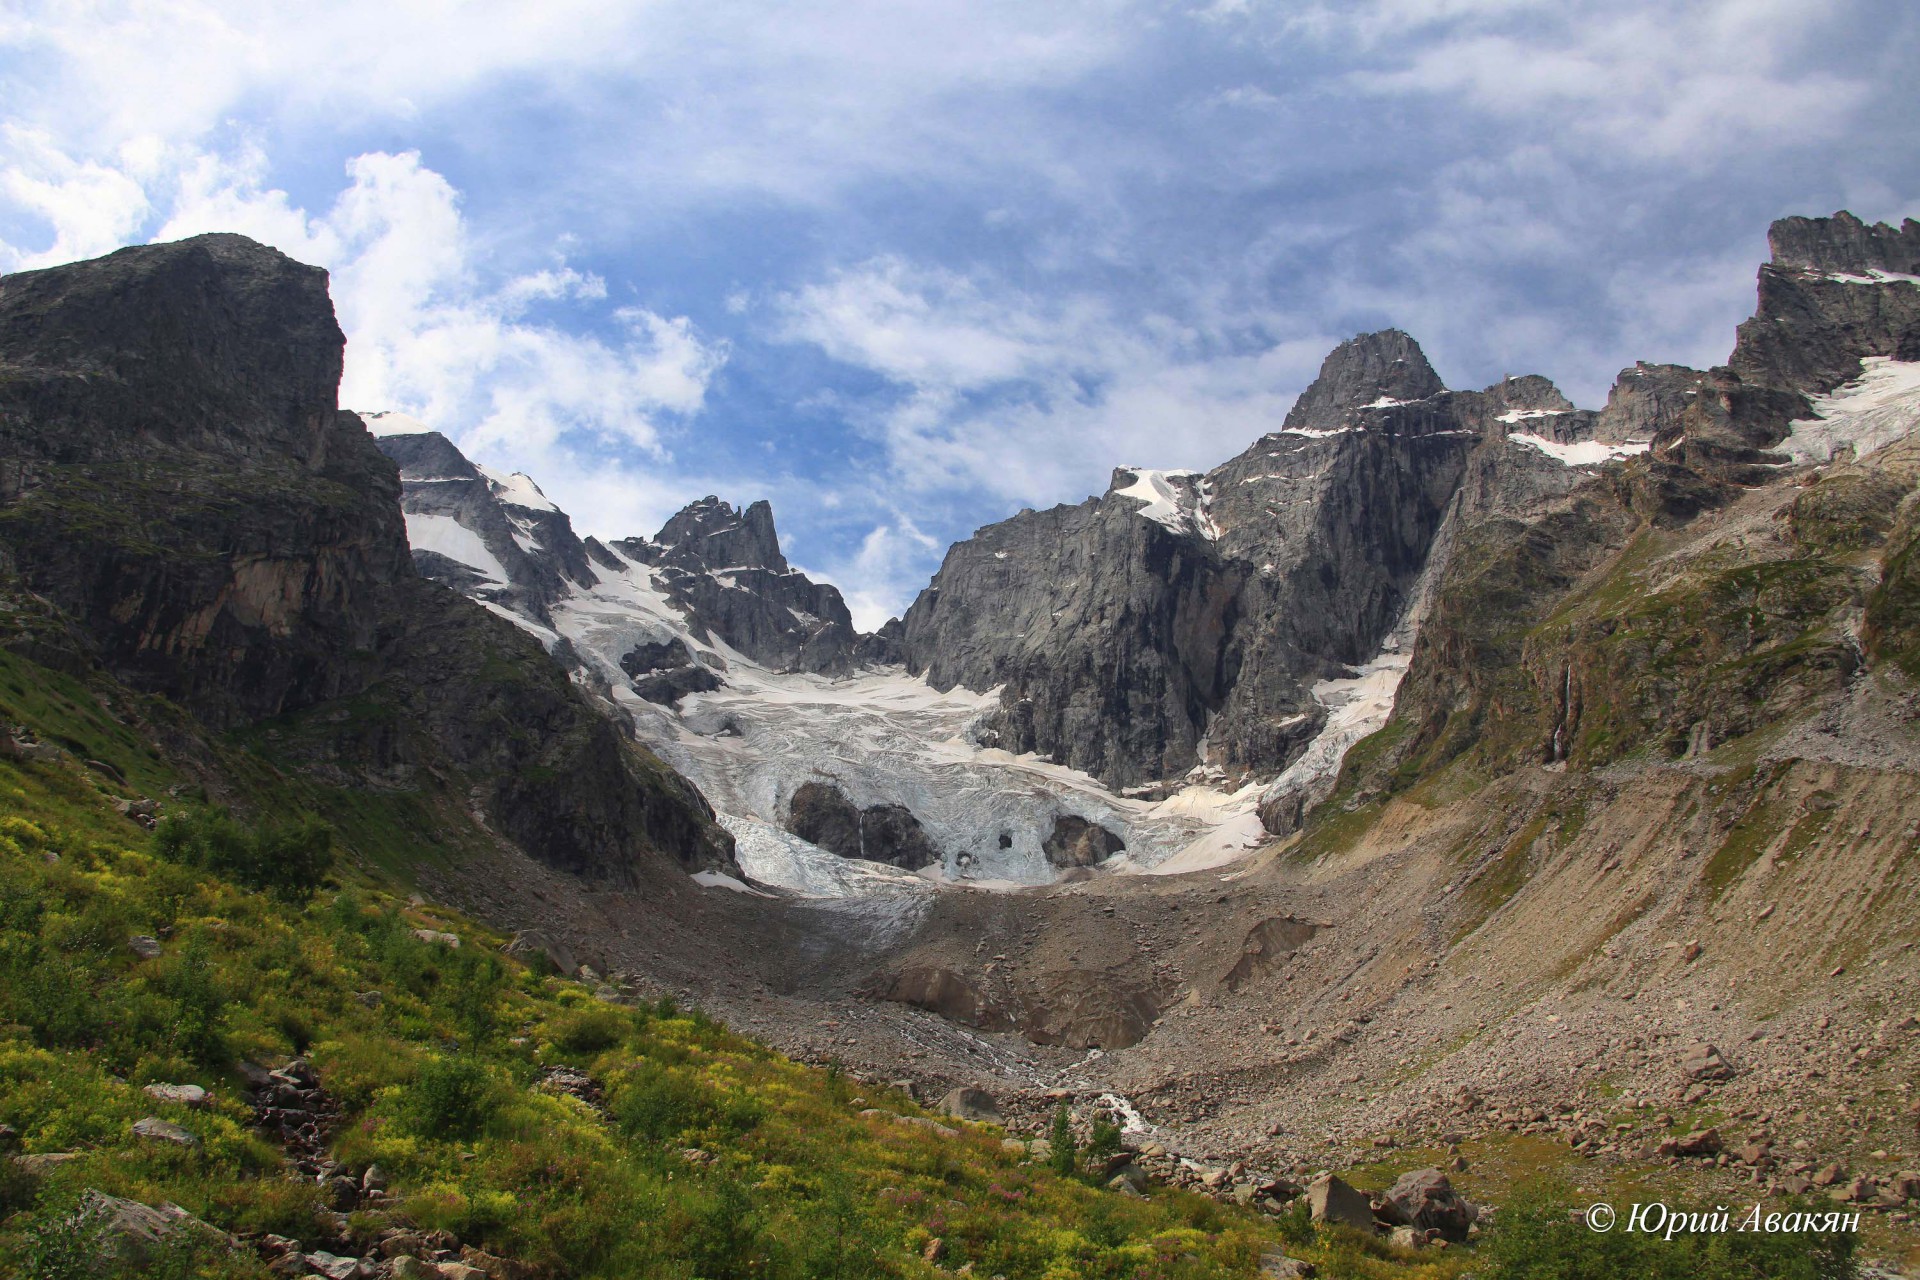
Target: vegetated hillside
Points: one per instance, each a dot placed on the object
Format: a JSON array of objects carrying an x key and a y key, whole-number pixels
[{"x": 438, "y": 1108}]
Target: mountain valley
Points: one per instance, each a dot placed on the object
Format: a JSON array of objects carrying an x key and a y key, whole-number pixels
[{"x": 1450, "y": 776}]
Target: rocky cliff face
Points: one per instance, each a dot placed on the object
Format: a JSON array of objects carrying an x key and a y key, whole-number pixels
[
  {"x": 1184, "y": 618},
  {"x": 176, "y": 478}
]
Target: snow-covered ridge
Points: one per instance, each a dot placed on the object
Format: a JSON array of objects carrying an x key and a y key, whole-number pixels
[
  {"x": 517, "y": 490},
  {"x": 1587, "y": 453},
  {"x": 1869, "y": 413}
]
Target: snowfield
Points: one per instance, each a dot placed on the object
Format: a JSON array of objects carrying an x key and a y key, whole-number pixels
[{"x": 1878, "y": 408}]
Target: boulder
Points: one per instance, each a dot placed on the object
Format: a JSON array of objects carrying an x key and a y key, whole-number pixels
[
  {"x": 1425, "y": 1201},
  {"x": 1331, "y": 1200},
  {"x": 157, "y": 1130},
  {"x": 530, "y": 942},
  {"x": 128, "y": 1233},
  {"x": 186, "y": 1095},
  {"x": 1704, "y": 1062},
  {"x": 145, "y": 946},
  {"x": 1278, "y": 1266},
  {"x": 437, "y": 937},
  {"x": 971, "y": 1104},
  {"x": 1076, "y": 842},
  {"x": 1700, "y": 1142}
]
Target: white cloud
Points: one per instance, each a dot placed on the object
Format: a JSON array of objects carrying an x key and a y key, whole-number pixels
[
  {"x": 1644, "y": 82},
  {"x": 426, "y": 334},
  {"x": 1031, "y": 399}
]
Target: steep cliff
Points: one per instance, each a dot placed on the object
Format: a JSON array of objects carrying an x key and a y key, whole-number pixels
[{"x": 176, "y": 479}]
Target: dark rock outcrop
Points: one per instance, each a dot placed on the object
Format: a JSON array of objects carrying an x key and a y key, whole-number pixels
[
  {"x": 176, "y": 479},
  {"x": 821, "y": 814},
  {"x": 1075, "y": 842},
  {"x": 721, "y": 565}
]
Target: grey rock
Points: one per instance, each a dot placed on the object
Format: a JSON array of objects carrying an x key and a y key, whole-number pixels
[
  {"x": 530, "y": 942},
  {"x": 1424, "y": 1200},
  {"x": 145, "y": 946},
  {"x": 186, "y": 1095},
  {"x": 157, "y": 1130},
  {"x": 1331, "y": 1200},
  {"x": 438, "y": 937},
  {"x": 129, "y": 1234},
  {"x": 971, "y": 1104},
  {"x": 1278, "y": 1266},
  {"x": 1076, "y": 842}
]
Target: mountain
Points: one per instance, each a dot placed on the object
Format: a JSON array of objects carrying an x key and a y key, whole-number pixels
[
  {"x": 207, "y": 526},
  {"x": 1185, "y": 620}
]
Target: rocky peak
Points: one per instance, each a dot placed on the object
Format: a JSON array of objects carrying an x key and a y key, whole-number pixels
[
  {"x": 1843, "y": 243},
  {"x": 213, "y": 342},
  {"x": 425, "y": 455},
  {"x": 1362, "y": 372},
  {"x": 712, "y": 534}
]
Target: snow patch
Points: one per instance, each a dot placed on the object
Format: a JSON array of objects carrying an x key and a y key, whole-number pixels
[
  {"x": 720, "y": 880},
  {"x": 517, "y": 490},
  {"x": 1876, "y": 409},
  {"x": 1521, "y": 415},
  {"x": 446, "y": 536},
  {"x": 1181, "y": 507},
  {"x": 1587, "y": 453},
  {"x": 1874, "y": 275},
  {"x": 1312, "y": 434}
]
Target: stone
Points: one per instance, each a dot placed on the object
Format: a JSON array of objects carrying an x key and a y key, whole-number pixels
[
  {"x": 1077, "y": 842},
  {"x": 145, "y": 946},
  {"x": 438, "y": 937},
  {"x": 1425, "y": 1200},
  {"x": 1700, "y": 1142},
  {"x": 129, "y": 1233},
  {"x": 971, "y": 1104},
  {"x": 1278, "y": 1266},
  {"x": 1704, "y": 1062},
  {"x": 42, "y": 1163},
  {"x": 370, "y": 999},
  {"x": 1829, "y": 1175},
  {"x": 532, "y": 942},
  {"x": 185, "y": 1095},
  {"x": 157, "y": 1130},
  {"x": 1331, "y": 1200},
  {"x": 334, "y": 1267}
]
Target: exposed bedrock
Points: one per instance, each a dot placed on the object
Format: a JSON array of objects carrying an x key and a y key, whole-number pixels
[
  {"x": 1075, "y": 842},
  {"x": 821, "y": 814}
]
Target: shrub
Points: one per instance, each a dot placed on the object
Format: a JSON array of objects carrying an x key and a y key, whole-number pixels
[
  {"x": 1065, "y": 1157},
  {"x": 290, "y": 861},
  {"x": 1102, "y": 1146},
  {"x": 589, "y": 1031},
  {"x": 451, "y": 1098}
]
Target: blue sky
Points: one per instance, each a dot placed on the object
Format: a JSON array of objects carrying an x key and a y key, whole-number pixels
[{"x": 906, "y": 267}]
